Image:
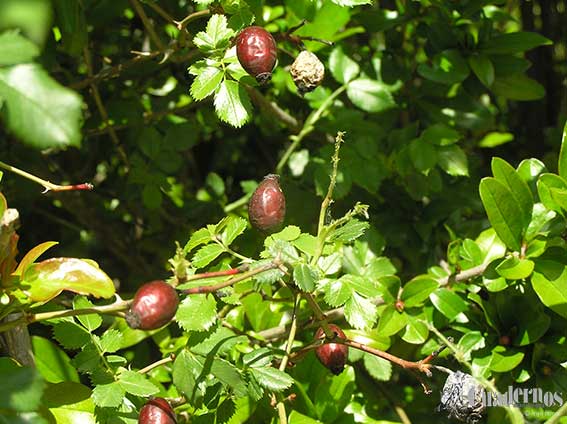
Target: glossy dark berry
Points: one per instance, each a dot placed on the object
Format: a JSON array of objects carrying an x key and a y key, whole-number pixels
[
  {"x": 153, "y": 306},
  {"x": 157, "y": 411},
  {"x": 332, "y": 355},
  {"x": 257, "y": 53},
  {"x": 266, "y": 208}
]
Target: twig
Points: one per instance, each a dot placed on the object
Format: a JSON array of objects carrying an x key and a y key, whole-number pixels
[
  {"x": 112, "y": 309},
  {"x": 272, "y": 109},
  {"x": 147, "y": 24},
  {"x": 46, "y": 184},
  {"x": 161, "y": 12},
  {"x": 156, "y": 364},
  {"x": 209, "y": 289},
  {"x": 213, "y": 274},
  {"x": 102, "y": 109},
  {"x": 191, "y": 17},
  {"x": 467, "y": 274}
]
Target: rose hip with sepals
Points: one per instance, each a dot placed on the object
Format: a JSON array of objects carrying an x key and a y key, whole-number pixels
[
  {"x": 153, "y": 306},
  {"x": 157, "y": 411},
  {"x": 257, "y": 52},
  {"x": 266, "y": 208},
  {"x": 332, "y": 355}
]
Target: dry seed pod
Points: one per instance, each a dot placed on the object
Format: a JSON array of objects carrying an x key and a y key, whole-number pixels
[
  {"x": 462, "y": 399},
  {"x": 307, "y": 72},
  {"x": 266, "y": 208}
]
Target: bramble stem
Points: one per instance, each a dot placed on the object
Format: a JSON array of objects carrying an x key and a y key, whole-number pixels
[
  {"x": 156, "y": 364},
  {"x": 232, "y": 281},
  {"x": 213, "y": 274},
  {"x": 48, "y": 186},
  {"x": 191, "y": 17}
]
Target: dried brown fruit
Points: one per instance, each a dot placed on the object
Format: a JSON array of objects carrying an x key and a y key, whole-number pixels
[
  {"x": 266, "y": 208},
  {"x": 307, "y": 72}
]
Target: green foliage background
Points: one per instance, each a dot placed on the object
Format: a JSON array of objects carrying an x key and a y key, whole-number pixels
[{"x": 453, "y": 113}]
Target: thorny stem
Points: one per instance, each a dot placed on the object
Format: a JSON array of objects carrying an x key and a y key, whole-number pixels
[
  {"x": 46, "y": 184},
  {"x": 147, "y": 24},
  {"x": 191, "y": 17},
  {"x": 213, "y": 274},
  {"x": 308, "y": 127},
  {"x": 290, "y": 338},
  {"x": 209, "y": 289},
  {"x": 102, "y": 109},
  {"x": 156, "y": 364},
  {"x": 113, "y": 309}
]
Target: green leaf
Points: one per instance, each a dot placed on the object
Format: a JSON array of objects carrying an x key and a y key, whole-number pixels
[
  {"x": 453, "y": 160},
  {"x": 306, "y": 243},
  {"x": 518, "y": 87},
  {"x": 471, "y": 341},
  {"x": 423, "y": 155},
  {"x": 87, "y": 360},
  {"x": 503, "y": 212},
  {"x": 305, "y": 277},
  {"x": 448, "y": 67},
  {"x": 216, "y": 37},
  {"x": 337, "y": 292},
  {"x": 440, "y": 135},
  {"x": 545, "y": 184},
  {"x": 503, "y": 360},
  {"x": 514, "y": 42},
  {"x": 562, "y": 163},
  {"x": 417, "y": 290},
  {"x": 360, "y": 312},
  {"x": 351, "y": 3},
  {"x": 391, "y": 321},
  {"x": 15, "y": 49},
  {"x": 199, "y": 237},
  {"x": 513, "y": 268},
  {"x": 272, "y": 378},
  {"x": 348, "y": 232},
  {"x": 342, "y": 67},
  {"x": 48, "y": 278},
  {"x": 370, "y": 95},
  {"x": 37, "y": 109},
  {"x": 32, "y": 255},
  {"x": 298, "y": 418},
  {"x": 21, "y": 388},
  {"x": 482, "y": 68},
  {"x": 495, "y": 139},
  {"x": 111, "y": 341},
  {"x": 137, "y": 384},
  {"x": 380, "y": 369},
  {"x": 530, "y": 169},
  {"x": 90, "y": 321},
  {"x": 235, "y": 226},
  {"x": 197, "y": 312},
  {"x": 108, "y": 395},
  {"x": 448, "y": 303},
  {"x": 507, "y": 175},
  {"x": 70, "y": 335},
  {"x": 70, "y": 403},
  {"x": 548, "y": 281},
  {"x": 206, "y": 82},
  {"x": 416, "y": 331},
  {"x": 206, "y": 254},
  {"x": 232, "y": 104},
  {"x": 52, "y": 362},
  {"x": 229, "y": 375},
  {"x": 186, "y": 369}
]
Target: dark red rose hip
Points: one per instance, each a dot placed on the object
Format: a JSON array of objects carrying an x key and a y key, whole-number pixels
[
  {"x": 157, "y": 411},
  {"x": 153, "y": 306},
  {"x": 332, "y": 355},
  {"x": 257, "y": 53},
  {"x": 266, "y": 208}
]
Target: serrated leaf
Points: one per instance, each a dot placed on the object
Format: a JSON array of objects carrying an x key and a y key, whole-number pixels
[
  {"x": 305, "y": 277},
  {"x": 360, "y": 312},
  {"x": 217, "y": 35},
  {"x": 206, "y": 82},
  {"x": 52, "y": 362},
  {"x": 235, "y": 226},
  {"x": 90, "y": 321},
  {"x": 370, "y": 95},
  {"x": 503, "y": 212},
  {"x": 198, "y": 238},
  {"x": 228, "y": 374},
  {"x": 108, "y": 395},
  {"x": 337, "y": 292},
  {"x": 136, "y": 383},
  {"x": 185, "y": 370},
  {"x": 206, "y": 254},
  {"x": 87, "y": 360},
  {"x": 15, "y": 48},
  {"x": 343, "y": 68},
  {"x": 380, "y": 369},
  {"x": 350, "y": 231},
  {"x": 197, "y": 312},
  {"x": 111, "y": 341},
  {"x": 70, "y": 335},
  {"x": 272, "y": 378},
  {"x": 232, "y": 104},
  {"x": 37, "y": 109},
  {"x": 48, "y": 278}
]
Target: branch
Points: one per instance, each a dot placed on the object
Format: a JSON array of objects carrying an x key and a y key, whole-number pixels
[
  {"x": 156, "y": 364},
  {"x": 147, "y": 24},
  {"x": 272, "y": 109},
  {"x": 191, "y": 17},
  {"x": 209, "y": 289},
  {"x": 467, "y": 274},
  {"x": 213, "y": 274},
  {"x": 46, "y": 184}
]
